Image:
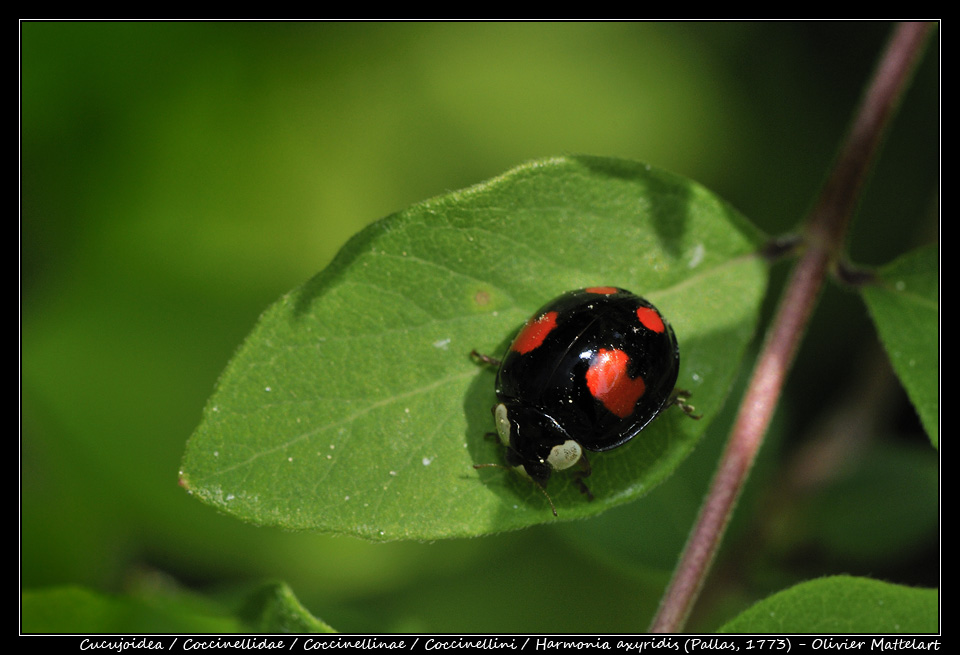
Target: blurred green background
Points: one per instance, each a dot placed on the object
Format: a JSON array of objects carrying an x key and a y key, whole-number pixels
[{"x": 176, "y": 178}]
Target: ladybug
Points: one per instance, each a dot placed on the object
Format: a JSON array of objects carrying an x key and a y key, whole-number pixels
[{"x": 589, "y": 371}]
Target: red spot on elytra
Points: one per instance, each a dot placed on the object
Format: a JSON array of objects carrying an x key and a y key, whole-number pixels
[
  {"x": 534, "y": 332},
  {"x": 609, "y": 383},
  {"x": 606, "y": 291},
  {"x": 650, "y": 319}
]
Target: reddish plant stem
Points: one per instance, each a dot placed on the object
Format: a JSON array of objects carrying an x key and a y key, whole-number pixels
[{"x": 824, "y": 234}]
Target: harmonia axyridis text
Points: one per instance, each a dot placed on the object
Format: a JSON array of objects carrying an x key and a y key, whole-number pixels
[{"x": 588, "y": 371}]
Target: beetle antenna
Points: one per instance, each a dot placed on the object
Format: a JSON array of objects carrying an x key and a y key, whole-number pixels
[
  {"x": 536, "y": 484},
  {"x": 549, "y": 500}
]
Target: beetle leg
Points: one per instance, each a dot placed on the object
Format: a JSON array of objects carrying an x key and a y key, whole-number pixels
[
  {"x": 680, "y": 398},
  {"x": 585, "y": 470},
  {"x": 485, "y": 359}
]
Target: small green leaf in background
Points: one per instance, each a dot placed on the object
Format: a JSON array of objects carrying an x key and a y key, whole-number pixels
[
  {"x": 905, "y": 308},
  {"x": 77, "y": 609},
  {"x": 270, "y": 607},
  {"x": 842, "y": 604},
  {"x": 882, "y": 507},
  {"x": 354, "y": 406}
]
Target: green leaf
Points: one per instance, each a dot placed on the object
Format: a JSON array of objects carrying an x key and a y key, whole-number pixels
[
  {"x": 271, "y": 607},
  {"x": 76, "y": 609},
  {"x": 842, "y": 604},
  {"x": 883, "y": 505},
  {"x": 354, "y": 406},
  {"x": 905, "y": 308}
]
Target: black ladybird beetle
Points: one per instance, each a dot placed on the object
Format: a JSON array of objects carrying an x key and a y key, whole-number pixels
[{"x": 588, "y": 371}]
